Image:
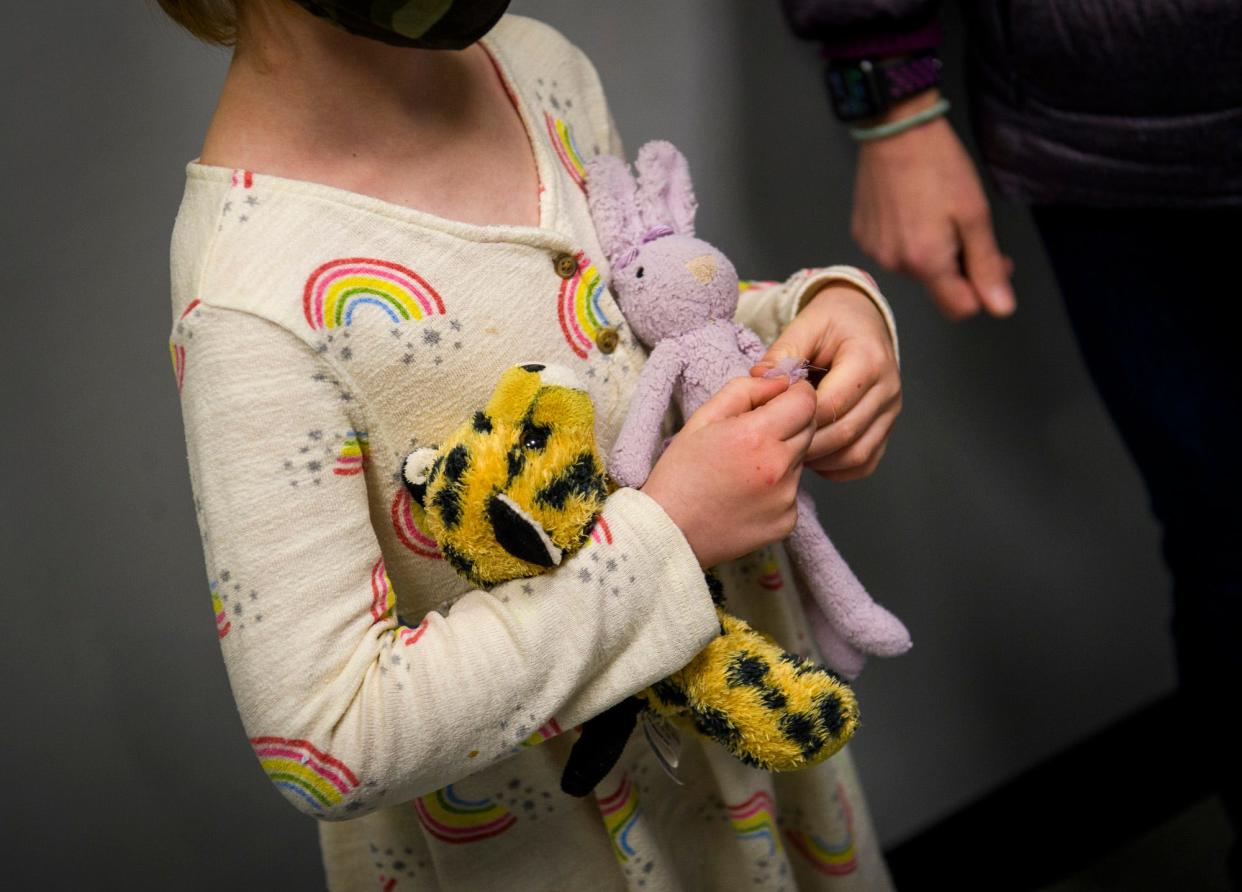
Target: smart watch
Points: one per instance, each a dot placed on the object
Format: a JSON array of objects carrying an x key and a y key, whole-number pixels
[{"x": 866, "y": 88}]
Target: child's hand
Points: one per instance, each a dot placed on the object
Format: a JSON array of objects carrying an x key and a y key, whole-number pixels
[
  {"x": 841, "y": 330},
  {"x": 729, "y": 478}
]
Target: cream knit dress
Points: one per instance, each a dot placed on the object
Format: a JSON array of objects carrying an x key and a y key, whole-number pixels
[{"x": 320, "y": 335}]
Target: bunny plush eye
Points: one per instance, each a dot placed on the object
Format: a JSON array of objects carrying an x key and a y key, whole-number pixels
[{"x": 638, "y": 273}]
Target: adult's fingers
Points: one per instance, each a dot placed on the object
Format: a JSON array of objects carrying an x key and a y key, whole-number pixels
[
  {"x": 986, "y": 267},
  {"x": 953, "y": 295}
]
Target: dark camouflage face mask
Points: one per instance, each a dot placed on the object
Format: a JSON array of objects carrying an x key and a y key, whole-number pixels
[{"x": 429, "y": 24}]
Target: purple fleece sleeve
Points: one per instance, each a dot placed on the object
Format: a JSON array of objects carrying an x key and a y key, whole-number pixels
[{"x": 850, "y": 29}]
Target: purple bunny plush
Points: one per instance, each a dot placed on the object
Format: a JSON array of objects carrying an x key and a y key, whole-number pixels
[{"x": 678, "y": 294}]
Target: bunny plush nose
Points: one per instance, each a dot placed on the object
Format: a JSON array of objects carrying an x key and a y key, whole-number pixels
[{"x": 702, "y": 268}]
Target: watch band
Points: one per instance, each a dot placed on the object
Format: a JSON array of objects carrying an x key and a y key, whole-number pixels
[{"x": 865, "y": 88}]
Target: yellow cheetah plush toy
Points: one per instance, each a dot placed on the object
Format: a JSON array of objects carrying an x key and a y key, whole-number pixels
[{"x": 517, "y": 490}]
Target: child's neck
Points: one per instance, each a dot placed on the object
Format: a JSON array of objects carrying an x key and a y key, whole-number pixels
[{"x": 429, "y": 129}]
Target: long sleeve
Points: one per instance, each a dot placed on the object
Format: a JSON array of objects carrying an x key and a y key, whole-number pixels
[
  {"x": 348, "y": 707},
  {"x": 767, "y": 307},
  {"x": 852, "y": 28}
]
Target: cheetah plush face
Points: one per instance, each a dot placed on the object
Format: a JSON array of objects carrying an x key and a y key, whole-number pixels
[{"x": 518, "y": 487}]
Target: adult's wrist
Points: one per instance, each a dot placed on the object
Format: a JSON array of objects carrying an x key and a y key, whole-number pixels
[{"x": 905, "y": 108}]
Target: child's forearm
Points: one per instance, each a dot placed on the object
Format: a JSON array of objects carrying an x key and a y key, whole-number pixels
[{"x": 348, "y": 708}]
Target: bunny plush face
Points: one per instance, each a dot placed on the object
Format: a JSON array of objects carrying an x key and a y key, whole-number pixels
[{"x": 667, "y": 282}]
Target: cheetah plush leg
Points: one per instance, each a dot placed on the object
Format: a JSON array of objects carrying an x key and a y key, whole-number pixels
[
  {"x": 864, "y": 625},
  {"x": 595, "y": 753},
  {"x": 768, "y": 707}
]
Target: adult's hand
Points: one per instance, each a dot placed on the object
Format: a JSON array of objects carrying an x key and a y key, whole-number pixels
[{"x": 919, "y": 208}]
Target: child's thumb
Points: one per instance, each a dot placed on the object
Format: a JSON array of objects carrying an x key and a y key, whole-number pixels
[{"x": 738, "y": 396}]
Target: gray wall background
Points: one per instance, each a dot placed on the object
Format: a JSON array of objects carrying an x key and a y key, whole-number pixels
[{"x": 1006, "y": 525}]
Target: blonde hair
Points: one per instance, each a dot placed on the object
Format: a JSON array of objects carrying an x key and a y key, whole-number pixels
[{"x": 212, "y": 21}]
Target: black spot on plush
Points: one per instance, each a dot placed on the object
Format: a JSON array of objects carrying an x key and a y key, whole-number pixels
[
  {"x": 482, "y": 423},
  {"x": 800, "y": 728},
  {"x": 448, "y": 502},
  {"x": 831, "y": 714},
  {"x": 456, "y": 462},
  {"x": 417, "y": 491},
  {"x": 534, "y": 367},
  {"x": 669, "y": 693},
  {"x": 772, "y": 698},
  {"x": 458, "y": 561},
  {"x": 580, "y": 478},
  {"x": 714, "y": 723},
  {"x": 517, "y": 461},
  {"x": 746, "y": 669}
]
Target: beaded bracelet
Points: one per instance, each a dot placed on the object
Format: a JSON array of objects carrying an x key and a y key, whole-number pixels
[{"x": 892, "y": 128}]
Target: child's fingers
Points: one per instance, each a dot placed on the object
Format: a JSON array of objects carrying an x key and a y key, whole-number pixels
[
  {"x": 863, "y": 450},
  {"x": 841, "y": 434},
  {"x": 788, "y": 414},
  {"x": 854, "y": 371},
  {"x": 738, "y": 396}
]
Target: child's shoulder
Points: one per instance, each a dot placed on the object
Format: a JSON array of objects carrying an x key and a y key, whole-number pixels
[
  {"x": 540, "y": 57},
  {"x": 530, "y": 44}
]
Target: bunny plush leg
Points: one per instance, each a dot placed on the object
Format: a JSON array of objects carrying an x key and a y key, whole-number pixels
[
  {"x": 846, "y": 660},
  {"x": 863, "y": 624},
  {"x": 768, "y": 707}
]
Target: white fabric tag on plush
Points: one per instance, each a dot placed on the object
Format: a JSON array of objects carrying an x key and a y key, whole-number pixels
[{"x": 665, "y": 742}]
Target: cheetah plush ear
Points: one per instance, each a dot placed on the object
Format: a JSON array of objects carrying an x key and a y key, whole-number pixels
[
  {"x": 520, "y": 534},
  {"x": 612, "y": 196},
  {"x": 414, "y": 472},
  {"x": 665, "y": 194}
]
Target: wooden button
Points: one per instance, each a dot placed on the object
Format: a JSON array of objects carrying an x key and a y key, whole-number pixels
[
  {"x": 566, "y": 265},
  {"x": 607, "y": 340}
]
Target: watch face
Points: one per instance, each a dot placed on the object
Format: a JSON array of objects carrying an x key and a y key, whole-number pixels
[{"x": 854, "y": 91}]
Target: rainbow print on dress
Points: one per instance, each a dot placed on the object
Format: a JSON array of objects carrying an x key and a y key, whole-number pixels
[
  {"x": 621, "y": 812},
  {"x": 756, "y": 819},
  {"x": 829, "y": 857},
  {"x": 452, "y": 818},
  {"x": 770, "y": 573},
  {"x": 407, "y": 634},
  {"x": 217, "y": 606},
  {"x": 561, "y": 135},
  {"x": 382, "y": 598},
  {"x": 601, "y": 533},
  {"x": 546, "y": 731},
  {"x": 351, "y": 459},
  {"x": 408, "y": 533},
  {"x": 176, "y": 352},
  {"x": 578, "y": 307},
  {"x": 340, "y": 288},
  {"x": 301, "y": 771}
]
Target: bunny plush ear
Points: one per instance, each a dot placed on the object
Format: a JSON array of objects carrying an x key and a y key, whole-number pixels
[
  {"x": 665, "y": 194},
  {"x": 612, "y": 196}
]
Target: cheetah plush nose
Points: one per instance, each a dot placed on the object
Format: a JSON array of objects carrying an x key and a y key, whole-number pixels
[{"x": 702, "y": 268}]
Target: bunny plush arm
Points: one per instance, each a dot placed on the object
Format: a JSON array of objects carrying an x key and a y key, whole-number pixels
[{"x": 638, "y": 445}]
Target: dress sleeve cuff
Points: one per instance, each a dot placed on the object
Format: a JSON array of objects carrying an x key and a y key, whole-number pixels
[{"x": 815, "y": 279}]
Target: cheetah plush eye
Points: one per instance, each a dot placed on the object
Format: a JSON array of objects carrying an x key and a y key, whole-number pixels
[{"x": 535, "y": 436}]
